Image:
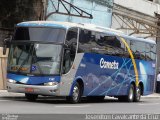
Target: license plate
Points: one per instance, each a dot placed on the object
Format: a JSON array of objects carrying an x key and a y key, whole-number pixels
[{"x": 29, "y": 89}]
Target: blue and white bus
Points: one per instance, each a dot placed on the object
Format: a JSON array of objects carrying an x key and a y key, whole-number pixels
[{"x": 79, "y": 60}]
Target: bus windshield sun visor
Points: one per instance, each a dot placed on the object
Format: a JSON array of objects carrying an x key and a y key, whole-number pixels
[{"x": 44, "y": 34}]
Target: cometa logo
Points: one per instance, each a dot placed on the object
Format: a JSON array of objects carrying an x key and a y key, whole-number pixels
[{"x": 108, "y": 65}]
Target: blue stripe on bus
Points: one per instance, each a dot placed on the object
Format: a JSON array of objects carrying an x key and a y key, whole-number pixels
[
  {"x": 113, "y": 82},
  {"x": 33, "y": 80}
]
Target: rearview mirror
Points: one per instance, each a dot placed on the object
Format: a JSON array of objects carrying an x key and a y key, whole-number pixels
[{"x": 6, "y": 43}]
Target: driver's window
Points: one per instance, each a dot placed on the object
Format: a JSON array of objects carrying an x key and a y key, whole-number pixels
[
  {"x": 70, "y": 52},
  {"x": 67, "y": 61}
]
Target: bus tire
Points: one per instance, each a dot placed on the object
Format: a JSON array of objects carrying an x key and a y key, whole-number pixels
[
  {"x": 137, "y": 95},
  {"x": 130, "y": 96},
  {"x": 76, "y": 94},
  {"x": 31, "y": 97}
]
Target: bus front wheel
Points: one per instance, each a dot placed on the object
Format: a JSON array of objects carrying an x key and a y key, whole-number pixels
[
  {"x": 76, "y": 94},
  {"x": 31, "y": 97}
]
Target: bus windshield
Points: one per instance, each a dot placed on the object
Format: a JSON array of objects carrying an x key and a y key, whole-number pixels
[
  {"x": 35, "y": 59},
  {"x": 44, "y": 34}
]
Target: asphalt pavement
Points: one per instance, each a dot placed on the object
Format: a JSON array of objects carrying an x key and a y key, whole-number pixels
[
  {"x": 5, "y": 93},
  {"x": 13, "y": 105}
]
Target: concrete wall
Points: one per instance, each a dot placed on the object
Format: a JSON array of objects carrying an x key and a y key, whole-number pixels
[
  {"x": 102, "y": 15},
  {"x": 143, "y": 6}
]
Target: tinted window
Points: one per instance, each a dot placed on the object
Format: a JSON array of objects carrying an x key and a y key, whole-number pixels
[
  {"x": 40, "y": 34},
  {"x": 96, "y": 42},
  {"x": 84, "y": 39},
  {"x": 110, "y": 44},
  {"x": 101, "y": 43},
  {"x": 148, "y": 52},
  {"x": 71, "y": 41},
  {"x": 138, "y": 49},
  {"x": 153, "y": 52},
  {"x": 70, "y": 52}
]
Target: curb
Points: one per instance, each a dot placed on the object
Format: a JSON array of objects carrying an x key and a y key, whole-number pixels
[
  {"x": 5, "y": 93},
  {"x": 154, "y": 95}
]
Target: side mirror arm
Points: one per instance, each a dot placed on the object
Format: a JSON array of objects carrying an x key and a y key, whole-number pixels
[{"x": 6, "y": 43}]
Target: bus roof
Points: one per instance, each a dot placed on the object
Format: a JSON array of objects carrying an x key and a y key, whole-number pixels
[{"x": 67, "y": 25}]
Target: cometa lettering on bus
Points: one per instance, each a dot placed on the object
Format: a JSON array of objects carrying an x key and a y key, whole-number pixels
[{"x": 108, "y": 65}]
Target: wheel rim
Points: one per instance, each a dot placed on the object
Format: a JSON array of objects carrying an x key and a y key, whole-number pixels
[
  {"x": 75, "y": 93},
  {"x": 131, "y": 94},
  {"x": 138, "y": 94}
]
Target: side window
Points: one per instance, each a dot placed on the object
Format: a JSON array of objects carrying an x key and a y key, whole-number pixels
[
  {"x": 85, "y": 38},
  {"x": 70, "y": 50},
  {"x": 110, "y": 45},
  {"x": 67, "y": 61},
  {"x": 153, "y": 52},
  {"x": 138, "y": 49},
  {"x": 148, "y": 52},
  {"x": 101, "y": 43}
]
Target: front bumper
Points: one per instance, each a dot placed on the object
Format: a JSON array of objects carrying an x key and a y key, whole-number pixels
[{"x": 40, "y": 90}]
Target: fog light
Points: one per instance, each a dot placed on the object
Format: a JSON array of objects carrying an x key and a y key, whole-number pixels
[{"x": 50, "y": 83}]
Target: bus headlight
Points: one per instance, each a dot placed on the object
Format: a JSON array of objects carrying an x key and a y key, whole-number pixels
[
  {"x": 11, "y": 81},
  {"x": 50, "y": 83}
]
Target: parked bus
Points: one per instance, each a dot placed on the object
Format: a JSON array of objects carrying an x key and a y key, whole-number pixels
[{"x": 79, "y": 60}]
